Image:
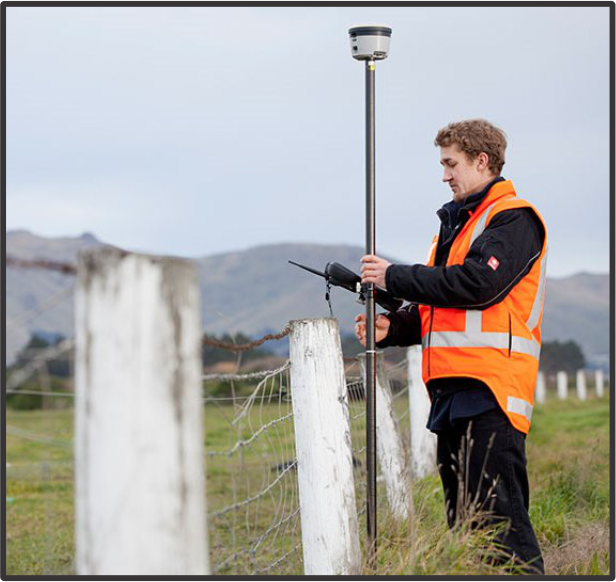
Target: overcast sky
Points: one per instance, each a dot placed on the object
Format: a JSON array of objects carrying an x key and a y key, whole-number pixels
[{"x": 195, "y": 131}]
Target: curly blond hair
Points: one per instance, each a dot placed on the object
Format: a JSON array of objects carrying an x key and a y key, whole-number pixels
[{"x": 474, "y": 136}]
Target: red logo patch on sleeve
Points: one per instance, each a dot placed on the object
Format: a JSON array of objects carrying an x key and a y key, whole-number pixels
[{"x": 493, "y": 263}]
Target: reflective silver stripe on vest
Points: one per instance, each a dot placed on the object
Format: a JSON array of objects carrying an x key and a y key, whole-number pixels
[
  {"x": 473, "y": 337},
  {"x": 481, "y": 224},
  {"x": 473, "y": 321},
  {"x": 519, "y": 406},
  {"x": 486, "y": 339},
  {"x": 533, "y": 318}
]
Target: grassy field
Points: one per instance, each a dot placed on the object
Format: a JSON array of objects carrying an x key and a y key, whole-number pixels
[
  {"x": 568, "y": 452},
  {"x": 568, "y": 460}
]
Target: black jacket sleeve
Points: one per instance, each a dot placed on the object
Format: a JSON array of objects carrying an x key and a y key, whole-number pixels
[
  {"x": 405, "y": 328},
  {"x": 496, "y": 261}
]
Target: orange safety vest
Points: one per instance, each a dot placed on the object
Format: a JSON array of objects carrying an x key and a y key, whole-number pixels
[{"x": 499, "y": 345}]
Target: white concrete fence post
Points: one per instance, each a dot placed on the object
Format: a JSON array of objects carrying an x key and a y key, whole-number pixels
[
  {"x": 561, "y": 385},
  {"x": 423, "y": 442},
  {"x": 389, "y": 447},
  {"x": 599, "y": 383},
  {"x": 540, "y": 388},
  {"x": 330, "y": 535},
  {"x": 139, "y": 483},
  {"x": 580, "y": 384}
]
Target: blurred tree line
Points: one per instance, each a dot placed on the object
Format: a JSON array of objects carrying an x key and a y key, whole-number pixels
[
  {"x": 561, "y": 356},
  {"x": 555, "y": 355},
  {"x": 58, "y": 371}
]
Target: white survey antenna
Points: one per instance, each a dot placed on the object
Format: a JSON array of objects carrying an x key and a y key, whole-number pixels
[{"x": 370, "y": 42}]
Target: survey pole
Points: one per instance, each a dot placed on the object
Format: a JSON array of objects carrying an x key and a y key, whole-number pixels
[{"x": 370, "y": 43}]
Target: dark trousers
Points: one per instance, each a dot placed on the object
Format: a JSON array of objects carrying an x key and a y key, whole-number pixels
[{"x": 487, "y": 473}]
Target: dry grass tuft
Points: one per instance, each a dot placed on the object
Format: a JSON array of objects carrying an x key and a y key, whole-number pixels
[{"x": 583, "y": 549}]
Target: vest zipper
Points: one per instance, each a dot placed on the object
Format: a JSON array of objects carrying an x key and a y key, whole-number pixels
[
  {"x": 510, "y": 339},
  {"x": 430, "y": 338}
]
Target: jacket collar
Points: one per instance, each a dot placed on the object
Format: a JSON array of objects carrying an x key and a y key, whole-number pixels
[
  {"x": 495, "y": 189},
  {"x": 475, "y": 199},
  {"x": 498, "y": 189}
]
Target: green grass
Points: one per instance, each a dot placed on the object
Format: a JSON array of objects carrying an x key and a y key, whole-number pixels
[
  {"x": 569, "y": 472},
  {"x": 568, "y": 453},
  {"x": 568, "y": 460}
]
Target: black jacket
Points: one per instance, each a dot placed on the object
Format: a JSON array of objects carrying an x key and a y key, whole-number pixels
[{"x": 515, "y": 237}]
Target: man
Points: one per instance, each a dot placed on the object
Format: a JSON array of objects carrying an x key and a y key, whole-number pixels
[{"x": 476, "y": 308}]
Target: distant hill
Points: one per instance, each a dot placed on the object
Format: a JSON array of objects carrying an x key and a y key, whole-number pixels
[
  {"x": 578, "y": 308},
  {"x": 38, "y": 300},
  {"x": 257, "y": 291}
]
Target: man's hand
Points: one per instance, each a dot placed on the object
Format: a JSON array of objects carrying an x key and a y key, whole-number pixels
[
  {"x": 373, "y": 270},
  {"x": 381, "y": 325}
]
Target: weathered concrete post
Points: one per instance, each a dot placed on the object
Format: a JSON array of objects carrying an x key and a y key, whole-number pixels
[
  {"x": 390, "y": 450},
  {"x": 561, "y": 385},
  {"x": 330, "y": 535},
  {"x": 139, "y": 473},
  {"x": 599, "y": 383},
  {"x": 580, "y": 384},
  {"x": 540, "y": 388},
  {"x": 423, "y": 442}
]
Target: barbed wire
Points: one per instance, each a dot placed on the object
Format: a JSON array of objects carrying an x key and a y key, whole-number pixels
[
  {"x": 40, "y": 393},
  {"x": 260, "y": 495},
  {"x": 206, "y": 399},
  {"x": 263, "y": 515},
  {"x": 285, "y": 398},
  {"x": 66, "y": 268},
  {"x": 246, "y": 406},
  {"x": 254, "y": 518},
  {"x": 261, "y": 538},
  {"x": 208, "y": 341},
  {"x": 250, "y": 521},
  {"x": 361, "y": 414},
  {"x": 253, "y": 437},
  {"x": 70, "y": 269},
  {"x": 247, "y": 376},
  {"x": 48, "y": 304},
  {"x": 278, "y": 561}
]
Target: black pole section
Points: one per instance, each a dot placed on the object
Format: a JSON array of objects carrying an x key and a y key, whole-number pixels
[{"x": 370, "y": 316}]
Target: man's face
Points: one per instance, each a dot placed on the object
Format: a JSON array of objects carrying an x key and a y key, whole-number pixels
[{"x": 463, "y": 176}]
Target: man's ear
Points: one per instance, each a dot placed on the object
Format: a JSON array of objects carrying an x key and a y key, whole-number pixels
[{"x": 482, "y": 161}]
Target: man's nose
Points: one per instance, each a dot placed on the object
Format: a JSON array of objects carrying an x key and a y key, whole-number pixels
[{"x": 446, "y": 176}]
